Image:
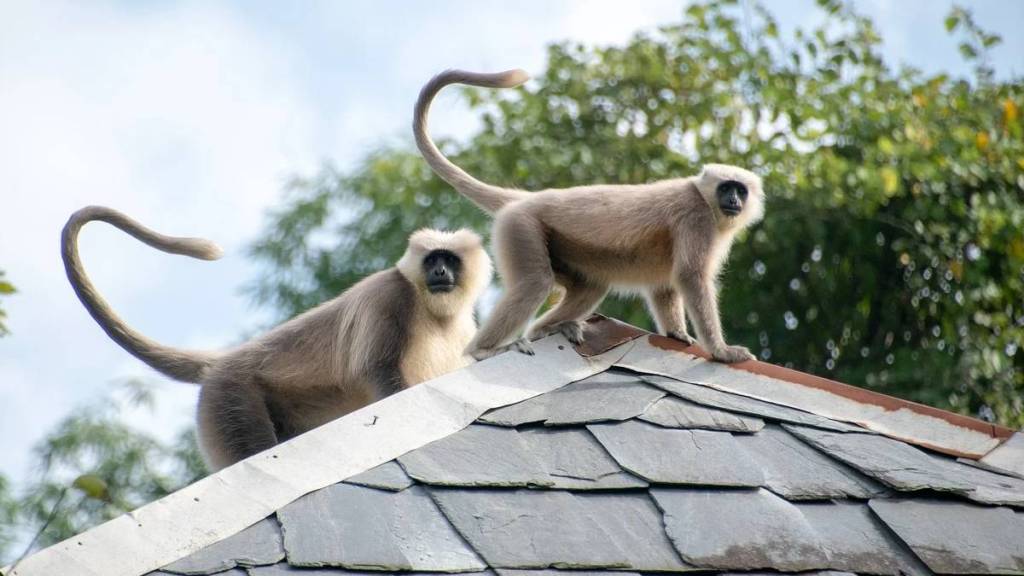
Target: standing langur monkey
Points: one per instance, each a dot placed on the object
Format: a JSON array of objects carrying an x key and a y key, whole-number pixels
[
  {"x": 668, "y": 238},
  {"x": 389, "y": 331}
]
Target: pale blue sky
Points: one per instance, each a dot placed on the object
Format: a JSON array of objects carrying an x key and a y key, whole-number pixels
[{"x": 190, "y": 116}]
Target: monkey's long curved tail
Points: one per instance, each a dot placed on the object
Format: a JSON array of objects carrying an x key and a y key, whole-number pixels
[
  {"x": 180, "y": 364},
  {"x": 489, "y": 198}
]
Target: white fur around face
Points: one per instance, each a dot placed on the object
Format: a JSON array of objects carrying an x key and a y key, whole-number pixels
[
  {"x": 714, "y": 174},
  {"x": 476, "y": 269}
]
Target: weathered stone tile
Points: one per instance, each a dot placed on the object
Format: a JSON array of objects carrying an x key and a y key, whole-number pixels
[
  {"x": 957, "y": 538},
  {"x": 284, "y": 569},
  {"x": 739, "y": 530},
  {"x": 574, "y": 460},
  {"x": 908, "y": 469},
  {"x": 518, "y": 572},
  {"x": 674, "y": 456},
  {"x": 1008, "y": 456},
  {"x": 256, "y": 545},
  {"x": 611, "y": 395},
  {"x": 560, "y": 529},
  {"x": 673, "y": 412},
  {"x": 796, "y": 471},
  {"x": 478, "y": 455},
  {"x": 735, "y": 403},
  {"x": 387, "y": 476},
  {"x": 362, "y": 528},
  {"x": 854, "y": 540},
  {"x": 752, "y": 530}
]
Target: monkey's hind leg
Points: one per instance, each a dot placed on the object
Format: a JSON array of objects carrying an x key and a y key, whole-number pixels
[
  {"x": 581, "y": 298},
  {"x": 666, "y": 305},
  {"x": 525, "y": 268},
  {"x": 234, "y": 422}
]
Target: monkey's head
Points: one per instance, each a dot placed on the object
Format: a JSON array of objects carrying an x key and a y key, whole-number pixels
[
  {"x": 734, "y": 194},
  {"x": 448, "y": 269}
]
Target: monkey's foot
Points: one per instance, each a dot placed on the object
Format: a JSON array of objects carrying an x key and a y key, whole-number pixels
[
  {"x": 571, "y": 329},
  {"x": 520, "y": 345},
  {"x": 682, "y": 336},
  {"x": 731, "y": 354}
]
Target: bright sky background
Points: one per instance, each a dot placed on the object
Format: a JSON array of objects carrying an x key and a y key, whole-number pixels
[{"x": 190, "y": 116}]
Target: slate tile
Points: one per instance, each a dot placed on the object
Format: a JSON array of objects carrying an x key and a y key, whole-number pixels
[
  {"x": 796, "y": 471},
  {"x": 231, "y": 572},
  {"x": 855, "y": 540},
  {"x": 673, "y": 456},
  {"x": 256, "y": 545},
  {"x": 387, "y": 476},
  {"x": 611, "y": 395},
  {"x": 560, "y": 529},
  {"x": 574, "y": 460},
  {"x": 517, "y": 572},
  {"x": 284, "y": 569},
  {"x": 751, "y": 530},
  {"x": 811, "y": 573},
  {"x": 733, "y": 402},
  {"x": 1008, "y": 456},
  {"x": 478, "y": 455},
  {"x": 909, "y": 469},
  {"x": 673, "y": 412},
  {"x": 957, "y": 537},
  {"x": 739, "y": 530},
  {"x": 362, "y": 528}
]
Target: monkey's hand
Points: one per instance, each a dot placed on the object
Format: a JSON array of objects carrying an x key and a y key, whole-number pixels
[
  {"x": 571, "y": 329},
  {"x": 731, "y": 354},
  {"x": 519, "y": 345},
  {"x": 682, "y": 336}
]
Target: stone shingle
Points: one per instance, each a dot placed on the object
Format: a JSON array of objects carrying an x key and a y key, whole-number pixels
[
  {"x": 256, "y": 545},
  {"x": 735, "y": 403},
  {"x": 957, "y": 537},
  {"x": 555, "y": 528},
  {"x": 672, "y": 412},
  {"x": 363, "y": 528},
  {"x": 674, "y": 456},
  {"x": 611, "y": 395},
  {"x": 387, "y": 476}
]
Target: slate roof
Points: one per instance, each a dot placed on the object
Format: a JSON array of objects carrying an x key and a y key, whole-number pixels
[{"x": 633, "y": 471}]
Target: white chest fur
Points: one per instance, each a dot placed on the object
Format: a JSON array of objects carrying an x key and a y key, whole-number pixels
[{"x": 437, "y": 348}]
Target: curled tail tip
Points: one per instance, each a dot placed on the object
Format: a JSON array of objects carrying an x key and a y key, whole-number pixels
[
  {"x": 513, "y": 78},
  {"x": 204, "y": 249}
]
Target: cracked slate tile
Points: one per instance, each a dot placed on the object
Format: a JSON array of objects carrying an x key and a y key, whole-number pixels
[
  {"x": 517, "y": 572},
  {"x": 610, "y": 395},
  {"x": 909, "y": 469},
  {"x": 574, "y": 460},
  {"x": 735, "y": 403},
  {"x": 478, "y": 455},
  {"x": 957, "y": 537},
  {"x": 675, "y": 456},
  {"x": 387, "y": 476},
  {"x": 796, "y": 471},
  {"x": 256, "y": 545},
  {"x": 673, "y": 412},
  {"x": 560, "y": 529},
  {"x": 363, "y": 528},
  {"x": 757, "y": 530},
  {"x": 482, "y": 455}
]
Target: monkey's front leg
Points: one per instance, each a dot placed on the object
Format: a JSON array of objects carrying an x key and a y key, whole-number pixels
[
  {"x": 666, "y": 305},
  {"x": 702, "y": 299}
]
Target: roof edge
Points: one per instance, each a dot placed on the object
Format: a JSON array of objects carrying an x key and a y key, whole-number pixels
[
  {"x": 192, "y": 518},
  {"x": 925, "y": 426}
]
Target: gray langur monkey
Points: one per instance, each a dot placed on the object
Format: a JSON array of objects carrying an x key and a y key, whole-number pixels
[
  {"x": 668, "y": 239},
  {"x": 391, "y": 330}
]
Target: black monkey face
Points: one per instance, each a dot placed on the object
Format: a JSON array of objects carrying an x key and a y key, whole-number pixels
[
  {"x": 731, "y": 197},
  {"x": 442, "y": 270}
]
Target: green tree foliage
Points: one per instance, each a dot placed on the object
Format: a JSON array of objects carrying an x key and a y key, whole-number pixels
[
  {"x": 93, "y": 467},
  {"x": 6, "y": 289},
  {"x": 891, "y": 255}
]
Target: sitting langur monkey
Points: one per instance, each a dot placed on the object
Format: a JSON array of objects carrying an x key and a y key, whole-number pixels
[
  {"x": 393, "y": 329},
  {"x": 667, "y": 238}
]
